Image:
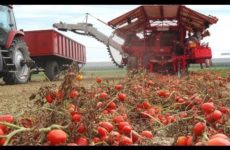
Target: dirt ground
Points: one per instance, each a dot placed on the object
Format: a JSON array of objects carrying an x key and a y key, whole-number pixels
[{"x": 14, "y": 98}]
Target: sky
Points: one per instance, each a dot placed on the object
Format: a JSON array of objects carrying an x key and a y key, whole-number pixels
[{"x": 39, "y": 17}]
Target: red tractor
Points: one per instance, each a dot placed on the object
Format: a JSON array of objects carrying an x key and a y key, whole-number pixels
[
  {"x": 160, "y": 38},
  {"x": 14, "y": 54}
]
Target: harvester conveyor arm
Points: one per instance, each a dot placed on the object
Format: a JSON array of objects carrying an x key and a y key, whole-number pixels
[{"x": 89, "y": 30}]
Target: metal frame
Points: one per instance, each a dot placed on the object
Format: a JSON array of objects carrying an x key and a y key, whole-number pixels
[{"x": 178, "y": 62}]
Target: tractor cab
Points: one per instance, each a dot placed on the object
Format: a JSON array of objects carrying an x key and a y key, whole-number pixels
[
  {"x": 7, "y": 23},
  {"x": 14, "y": 55}
]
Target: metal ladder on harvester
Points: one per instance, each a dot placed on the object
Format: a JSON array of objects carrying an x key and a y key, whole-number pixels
[{"x": 8, "y": 60}]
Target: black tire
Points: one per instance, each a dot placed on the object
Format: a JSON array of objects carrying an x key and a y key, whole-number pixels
[
  {"x": 18, "y": 48},
  {"x": 52, "y": 70}
]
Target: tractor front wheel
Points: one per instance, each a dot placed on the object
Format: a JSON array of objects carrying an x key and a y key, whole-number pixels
[{"x": 19, "y": 71}]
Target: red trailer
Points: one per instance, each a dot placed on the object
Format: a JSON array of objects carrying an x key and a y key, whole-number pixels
[{"x": 53, "y": 51}]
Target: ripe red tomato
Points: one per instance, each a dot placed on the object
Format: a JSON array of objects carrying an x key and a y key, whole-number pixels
[
  {"x": 105, "y": 112},
  {"x": 189, "y": 140},
  {"x": 224, "y": 110},
  {"x": 160, "y": 116},
  {"x": 98, "y": 80},
  {"x": 100, "y": 104},
  {"x": 96, "y": 140},
  {"x": 6, "y": 118},
  {"x": 81, "y": 128},
  {"x": 103, "y": 95},
  {"x": 151, "y": 111},
  {"x": 198, "y": 129},
  {"x": 147, "y": 134},
  {"x": 126, "y": 129},
  {"x": 181, "y": 141},
  {"x": 112, "y": 105},
  {"x": 167, "y": 93},
  {"x": 217, "y": 115},
  {"x": 122, "y": 97},
  {"x": 183, "y": 114},
  {"x": 73, "y": 94},
  {"x": 118, "y": 119},
  {"x": 3, "y": 127},
  {"x": 161, "y": 93},
  {"x": 76, "y": 117},
  {"x": 118, "y": 87},
  {"x": 107, "y": 125},
  {"x": 208, "y": 107},
  {"x": 181, "y": 100},
  {"x": 146, "y": 105},
  {"x": 2, "y": 140},
  {"x": 164, "y": 121},
  {"x": 126, "y": 140},
  {"x": 49, "y": 98},
  {"x": 57, "y": 137},
  {"x": 140, "y": 106},
  {"x": 209, "y": 118},
  {"x": 122, "y": 124},
  {"x": 171, "y": 119},
  {"x": 81, "y": 141},
  {"x": 102, "y": 132},
  {"x": 115, "y": 136},
  {"x": 111, "y": 110},
  {"x": 218, "y": 141}
]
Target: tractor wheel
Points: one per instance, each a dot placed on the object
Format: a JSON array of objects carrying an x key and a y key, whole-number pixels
[
  {"x": 52, "y": 70},
  {"x": 132, "y": 63},
  {"x": 18, "y": 52}
]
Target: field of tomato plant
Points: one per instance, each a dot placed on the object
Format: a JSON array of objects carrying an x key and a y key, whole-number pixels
[{"x": 139, "y": 109}]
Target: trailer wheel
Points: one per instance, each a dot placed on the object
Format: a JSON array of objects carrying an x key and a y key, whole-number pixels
[
  {"x": 52, "y": 70},
  {"x": 17, "y": 53}
]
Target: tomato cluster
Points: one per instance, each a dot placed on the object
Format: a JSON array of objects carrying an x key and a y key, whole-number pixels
[{"x": 192, "y": 111}]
